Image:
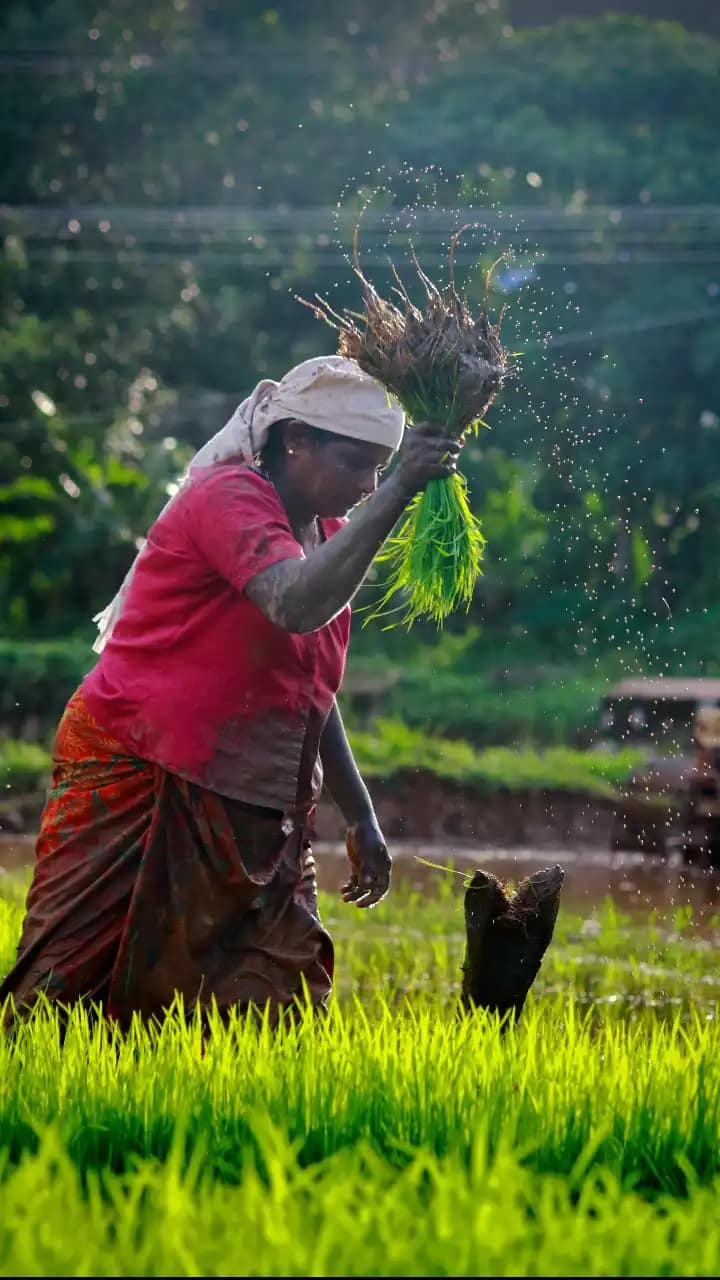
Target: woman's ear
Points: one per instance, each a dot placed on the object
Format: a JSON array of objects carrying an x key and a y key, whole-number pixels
[{"x": 297, "y": 438}]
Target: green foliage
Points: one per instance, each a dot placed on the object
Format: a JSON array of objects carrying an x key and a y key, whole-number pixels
[
  {"x": 391, "y": 748},
  {"x": 597, "y": 487},
  {"x": 472, "y": 684},
  {"x": 36, "y": 680},
  {"x": 392, "y": 1138},
  {"x": 24, "y": 766},
  {"x": 543, "y": 711},
  {"x": 80, "y": 495}
]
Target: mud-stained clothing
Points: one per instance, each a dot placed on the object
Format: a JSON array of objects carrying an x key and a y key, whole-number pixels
[
  {"x": 146, "y": 885},
  {"x": 195, "y": 677},
  {"x": 185, "y": 773}
]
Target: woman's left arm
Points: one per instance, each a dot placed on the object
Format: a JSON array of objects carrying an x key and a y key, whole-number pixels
[{"x": 369, "y": 858}]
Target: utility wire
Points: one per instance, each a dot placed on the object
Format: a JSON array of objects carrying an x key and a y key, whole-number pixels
[
  {"x": 205, "y": 257},
  {"x": 235, "y": 218},
  {"x": 256, "y": 56},
  {"x": 271, "y": 236}
]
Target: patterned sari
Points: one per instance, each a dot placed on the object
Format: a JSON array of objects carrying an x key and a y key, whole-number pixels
[{"x": 147, "y": 885}]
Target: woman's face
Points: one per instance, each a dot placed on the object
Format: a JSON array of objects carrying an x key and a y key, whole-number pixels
[{"x": 332, "y": 476}]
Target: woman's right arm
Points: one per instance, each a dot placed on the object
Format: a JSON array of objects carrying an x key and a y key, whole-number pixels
[{"x": 301, "y": 595}]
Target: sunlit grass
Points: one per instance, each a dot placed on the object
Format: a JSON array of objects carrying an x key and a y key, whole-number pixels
[
  {"x": 354, "y": 1214},
  {"x": 393, "y": 1137},
  {"x": 390, "y": 748}
]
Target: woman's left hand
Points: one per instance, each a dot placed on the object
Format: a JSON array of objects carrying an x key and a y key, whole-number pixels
[{"x": 370, "y": 864}]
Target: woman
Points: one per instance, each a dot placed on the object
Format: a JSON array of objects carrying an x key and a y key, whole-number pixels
[{"x": 174, "y": 850}]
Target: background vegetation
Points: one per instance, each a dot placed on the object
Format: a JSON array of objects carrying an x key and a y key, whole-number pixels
[{"x": 171, "y": 176}]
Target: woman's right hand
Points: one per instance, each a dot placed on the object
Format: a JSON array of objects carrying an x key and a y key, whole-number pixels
[
  {"x": 302, "y": 594},
  {"x": 426, "y": 453}
]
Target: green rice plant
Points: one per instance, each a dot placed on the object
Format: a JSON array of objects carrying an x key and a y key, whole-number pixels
[
  {"x": 355, "y": 1214},
  {"x": 434, "y": 558},
  {"x": 396, "y": 1136},
  {"x": 397, "y": 1065},
  {"x": 647, "y": 1094},
  {"x": 608, "y": 962},
  {"x": 445, "y": 366}
]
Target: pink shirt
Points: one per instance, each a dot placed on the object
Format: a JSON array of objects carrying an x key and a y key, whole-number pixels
[{"x": 195, "y": 677}]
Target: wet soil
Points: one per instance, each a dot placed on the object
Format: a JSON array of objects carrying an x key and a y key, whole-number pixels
[{"x": 422, "y": 807}]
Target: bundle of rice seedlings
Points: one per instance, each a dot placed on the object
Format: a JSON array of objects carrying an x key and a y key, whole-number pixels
[{"x": 445, "y": 365}]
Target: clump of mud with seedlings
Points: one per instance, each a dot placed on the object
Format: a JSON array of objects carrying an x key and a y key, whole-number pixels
[{"x": 507, "y": 937}]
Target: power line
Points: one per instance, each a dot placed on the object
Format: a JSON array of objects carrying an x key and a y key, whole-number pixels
[
  {"x": 213, "y": 60},
  {"x": 265, "y": 237},
  {"x": 229, "y": 218},
  {"x": 204, "y": 257},
  {"x": 274, "y": 236},
  {"x": 106, "y": 235}
]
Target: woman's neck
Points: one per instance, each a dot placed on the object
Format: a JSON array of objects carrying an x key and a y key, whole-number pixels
[{"x": 301, "y": 520}]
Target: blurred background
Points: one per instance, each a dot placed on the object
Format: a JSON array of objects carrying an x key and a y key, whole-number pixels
[{"x": 175, "y": 171}]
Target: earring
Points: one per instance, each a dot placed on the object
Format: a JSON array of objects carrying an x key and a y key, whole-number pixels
[{"x": 291, "y": 451}]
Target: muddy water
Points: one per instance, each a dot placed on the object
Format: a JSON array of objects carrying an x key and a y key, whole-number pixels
[
  {"x": 636, "y": 883},
  {"x": 16, "y": 852}
]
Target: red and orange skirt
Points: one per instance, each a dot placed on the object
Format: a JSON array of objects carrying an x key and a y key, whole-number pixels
[{"x": 146, "y": 885}]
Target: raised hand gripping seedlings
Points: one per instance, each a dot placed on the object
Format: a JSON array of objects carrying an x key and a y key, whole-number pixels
[{"x": 444, "y": 365}]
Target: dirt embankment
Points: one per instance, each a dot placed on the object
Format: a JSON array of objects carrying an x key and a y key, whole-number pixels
[
  {"x": 423, "y": 807},
  {"x": 426, "y": 808}
]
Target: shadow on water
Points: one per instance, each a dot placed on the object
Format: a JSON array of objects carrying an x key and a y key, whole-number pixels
[{"x": 637, "y": 883}]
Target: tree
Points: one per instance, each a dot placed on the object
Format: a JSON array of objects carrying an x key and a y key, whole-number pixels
[{"x": 172, "y": 172}]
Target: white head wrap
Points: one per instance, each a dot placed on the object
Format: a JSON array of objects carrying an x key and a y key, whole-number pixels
[{"x": 328, "y": 392}]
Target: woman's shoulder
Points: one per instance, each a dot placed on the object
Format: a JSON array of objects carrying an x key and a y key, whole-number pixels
[
  {"x": 230, "y": 475},
  {"x": 230, "y": 483},
  {"x": 222, "y": 495}
]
